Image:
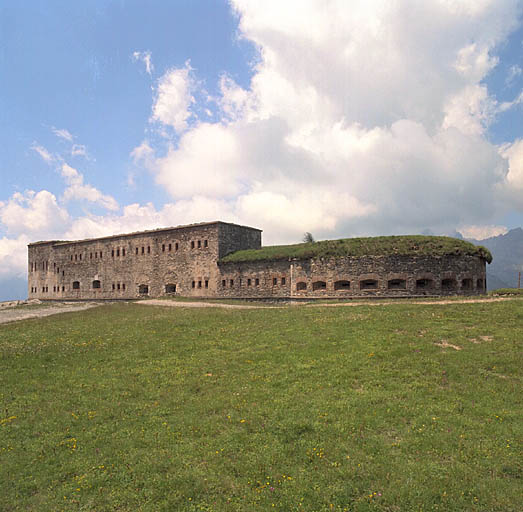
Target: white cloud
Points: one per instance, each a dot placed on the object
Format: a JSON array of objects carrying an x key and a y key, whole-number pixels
[
  {"x": 34, "y": 213},
  {"x": 44, "y": 154},
  {"x": 63, "y": 134},
  {"x": 13, "y": 256},
  {"x": 513, "y": 72},
  {"x": 77, "y": 190},
  {"x": 146, "y": 58},
  {"x": 79, "y": 150},
  {"x": 482, "y": 232},
  {"x": 174, "y": 98}
]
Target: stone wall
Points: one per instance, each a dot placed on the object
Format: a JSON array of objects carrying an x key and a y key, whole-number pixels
[
  {"x": 394, "y": 276},
  {"x": 174, "y": 261}
]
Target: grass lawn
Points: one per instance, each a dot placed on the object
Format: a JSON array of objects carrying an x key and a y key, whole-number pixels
[{"x": 395, "y": 408}]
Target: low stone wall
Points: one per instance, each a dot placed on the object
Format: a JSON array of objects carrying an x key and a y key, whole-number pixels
[{"x": 399, "y": 276}]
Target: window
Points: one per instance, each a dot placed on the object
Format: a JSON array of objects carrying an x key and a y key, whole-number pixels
[
  {"x": 205, "y": 243},
  {"x": 466, "y": 284},
  {"x": 100, "y": 254},
  {"x": 136, "y": 251},
  {"x": 256, "y": 282},
  {"x": 76, "y": 285},
  {"x": 96, "y": 284},
  {"x": 170, "y": 247},
  {"x": 448, "y": 284},
  {"x": 479, "y": 284},
  {"x": 176, "y": 246},
  {"x": 368, "y": 284},
  {"x": 76, "y": 257},
  {"x": 71, "y": 257},
  {"x": 63, "y": 273},
  {"x": 231, "y": 282},
  {"x": 96, "y": 255},
  {"x": 206, "y": 283},
  {"x": 342, "y": 285},
  {"x": 117, "y": 252},
  {"x": 397, "y": 284},
  {"x": 192, "y": 244},
  {"x": 301, "y": 286},
  {"x": 199, "y": 244},
  {"x": 194, "y": 284},
  {"x": 123, "y": 252},
  {"x": 63, "y": 288},
  {"x": 163, "y": 247},
  {"x": 248, "y": 282},
  {"x": 123, "y": 286},
  {"x": 143, "y": 289},
  {"x": 170, "y": 288},
  {"x": 143, "y": 249},
  {"x": 90, "y": 255},
  {"x": 148, "y": 249},
  {"x": 117, "y": 286},
  {"x": 114, "y": 286},
  {"x": 223, "y": 283},
  {"x": 319, "y": 285},
  {"x": 283, "y": 281},
  {"x": 54, "y": 289},
  {"x": 423, "y": 284},
  {"x": 199, "y": 284},
  {"x": 274, "y": 281},
  {"x": 112, "y": 253}
]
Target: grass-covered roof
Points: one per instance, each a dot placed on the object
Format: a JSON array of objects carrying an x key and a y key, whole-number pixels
[{"x": 410, "y": 245}]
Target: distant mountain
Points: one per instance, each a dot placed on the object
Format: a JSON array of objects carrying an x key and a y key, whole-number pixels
[{"x": 507, "y": 253}]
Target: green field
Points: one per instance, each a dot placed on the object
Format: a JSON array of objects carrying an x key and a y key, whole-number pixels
[{"x": 403, "y": 407}]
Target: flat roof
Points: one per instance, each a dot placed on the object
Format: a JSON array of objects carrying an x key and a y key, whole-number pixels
[{"x": 138, "y": 233}]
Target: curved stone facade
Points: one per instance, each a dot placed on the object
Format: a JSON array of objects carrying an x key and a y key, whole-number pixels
[{"x": 188, "y": 261}]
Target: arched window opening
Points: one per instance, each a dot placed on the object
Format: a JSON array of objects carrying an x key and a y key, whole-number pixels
[
  {"x": 397, "y": 284},
  {"x": 480, "y": 284},
  {"x": 448, "y": 284},
  {"x": 368, "y": 284},
  {"x": 96, "y": 284},
  {"x": 466, "y": 284},
  {"x": 170, "y": 288},
  {"x": 301, "y": 286},
  {"x": 143, "y": 289},
  {"x": 319, "y": 285},
  {"x": 76, "y": 285},
  {"x": 423, "y": 284},
  {"x": 342, "y": 285}
]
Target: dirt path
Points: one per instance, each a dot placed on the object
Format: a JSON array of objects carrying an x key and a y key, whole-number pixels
[
  {"x": 180, "y": 304},
  {"x": 25, "y": 312}
]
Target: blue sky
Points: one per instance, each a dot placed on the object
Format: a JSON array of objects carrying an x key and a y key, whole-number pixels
[{"x": 337, "y": 118}]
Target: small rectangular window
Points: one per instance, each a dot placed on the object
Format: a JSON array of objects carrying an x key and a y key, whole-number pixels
[
  {"x": 206, "y": 283},
  {"x": 283, "y": 281},
  {"x": 143, "y": 249},
  {"x": 63, "y": 288},
  {"x": 199, "y": 284},
  {"x": 118, "y": 286},
  {"x": 205, "y": 243},
  {"x": 114, "y": 286},
  {"x": 90, "y": 255},
  {"x": 176, "y": 246},
  {"x": 199, "y": 244},
  {"x": 71, "y": 257},
  {"x": 123, "y": 286},
  {"x": 248, "y": 282},
  {"x": 223, "y": 283},
  {"x": 136, "y": 250},
  {"x": 274, "y": 281},
  {"x": 256, "y": 282},
  {"x": 96, "y": 255},
  {"x": 170, "y": 247},
  {"x": 192, "y": 244},
  {"x": 231, "y": 282},
  {"x": 63, "y": 273},
  {"x": 112, "y": 253},
  {"x": 148, "y": 249},
  {"x": 76, "y": 257},
  {"x": 194, "y": 284},
  {"x": 123, "y": 252},
  {"x": 100, "y": 254},
  {"x": 163, "y": 247},
  {"x": 117, "y": 252}
]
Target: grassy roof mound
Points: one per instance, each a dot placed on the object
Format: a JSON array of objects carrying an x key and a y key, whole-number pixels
[{"x": 411, "y": 245}]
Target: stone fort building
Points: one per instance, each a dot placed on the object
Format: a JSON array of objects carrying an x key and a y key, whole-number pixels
[{"x": 220, "y": 259}]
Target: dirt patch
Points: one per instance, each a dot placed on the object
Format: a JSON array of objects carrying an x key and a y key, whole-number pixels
[
  {"x": 14, "y": 314},
  {"x": 446, "y": 344}
]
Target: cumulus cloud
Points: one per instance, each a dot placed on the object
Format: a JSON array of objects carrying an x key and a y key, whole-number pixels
[
  {"x": 13, "y": 256},
  {"x": 174, "y": 98},
  {"x": 78, "y": 190},
  {"x": 482, "y": 232},
  {"x": 361, "y": 118},
  {"x": 146, "y": 58}
]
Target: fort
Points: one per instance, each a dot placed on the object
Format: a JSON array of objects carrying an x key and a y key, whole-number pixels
[{"x": 224, "y": 260}]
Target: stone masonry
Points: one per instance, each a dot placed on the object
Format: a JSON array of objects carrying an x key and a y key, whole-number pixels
[{"x": 185, "y": 261}]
